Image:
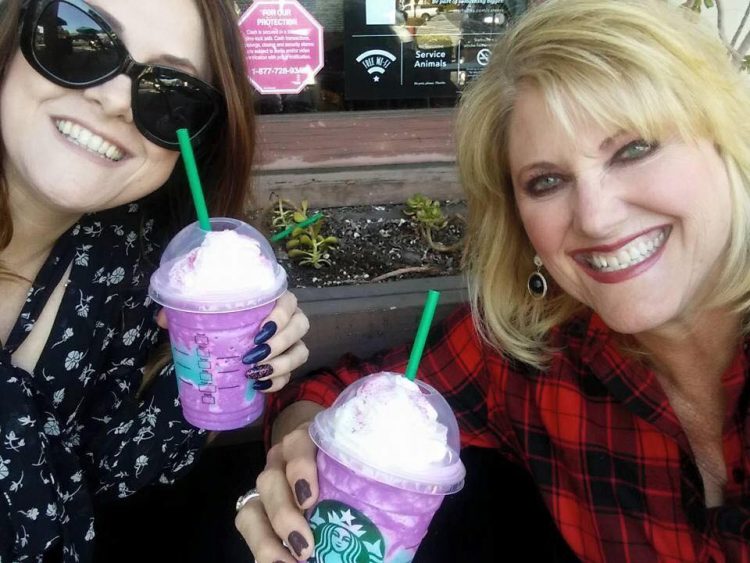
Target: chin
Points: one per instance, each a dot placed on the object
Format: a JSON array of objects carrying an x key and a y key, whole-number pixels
[{"x": 630, "y": 322}]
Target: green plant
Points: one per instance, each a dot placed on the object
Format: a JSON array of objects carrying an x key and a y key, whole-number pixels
[
  {"x": 426, "y": 212},
  {"x": 286, "y": 213},
  {"x": 429, "y": 218},
  {"x": 310, "y": 247}
]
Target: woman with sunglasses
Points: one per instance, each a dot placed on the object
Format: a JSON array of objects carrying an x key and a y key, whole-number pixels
[{"x": 91, "y": 95}]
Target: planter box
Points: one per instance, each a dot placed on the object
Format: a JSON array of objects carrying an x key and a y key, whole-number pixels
[
  {"x": 359, "y": 158},
  {"x": 364, "y": 319}
]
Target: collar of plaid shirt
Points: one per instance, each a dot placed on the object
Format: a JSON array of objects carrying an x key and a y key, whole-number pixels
[{"x": 645, "y": 494}]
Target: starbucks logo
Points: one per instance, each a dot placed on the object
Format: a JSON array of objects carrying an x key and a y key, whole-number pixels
[{"x": 344, "y": 535}]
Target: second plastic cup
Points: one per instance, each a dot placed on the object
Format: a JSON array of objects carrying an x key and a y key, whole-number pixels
[
  {"x": 214, "y": 324},
  {"x": 377, "y": 512}
]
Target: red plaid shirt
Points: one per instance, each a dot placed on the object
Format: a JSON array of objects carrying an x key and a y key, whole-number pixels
[{"x": 595, "y": 431}]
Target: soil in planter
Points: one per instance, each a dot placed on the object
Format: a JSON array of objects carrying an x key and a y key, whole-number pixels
[{"x": 378, "y": 243}]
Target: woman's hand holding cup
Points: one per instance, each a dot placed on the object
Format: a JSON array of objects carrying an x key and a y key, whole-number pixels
[{"x": 287, "y": 486}]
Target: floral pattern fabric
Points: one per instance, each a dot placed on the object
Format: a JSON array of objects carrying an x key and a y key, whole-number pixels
[{"x": 72, "y": 432}]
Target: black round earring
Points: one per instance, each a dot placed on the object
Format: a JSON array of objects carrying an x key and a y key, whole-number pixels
[{"x": 537, "y": 283}]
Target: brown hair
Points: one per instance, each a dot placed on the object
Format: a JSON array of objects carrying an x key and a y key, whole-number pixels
[
  {"x": 224, "y": 155},
  {"x": 9, "y": 14}
]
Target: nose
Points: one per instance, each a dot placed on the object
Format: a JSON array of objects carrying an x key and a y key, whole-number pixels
[
  {"x": 114, "y": 97},
  {"x": 599, "y": 207}
]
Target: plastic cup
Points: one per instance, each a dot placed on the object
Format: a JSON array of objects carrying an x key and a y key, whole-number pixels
[
  {"x": 367, "y": 512},
  {"x": 211, "y": 330}
]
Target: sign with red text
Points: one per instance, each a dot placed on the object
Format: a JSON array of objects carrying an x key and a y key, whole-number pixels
[{"x": 283, "y": 46}]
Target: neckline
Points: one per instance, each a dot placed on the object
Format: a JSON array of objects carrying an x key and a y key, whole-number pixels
[{"x": 46, "y": 280}]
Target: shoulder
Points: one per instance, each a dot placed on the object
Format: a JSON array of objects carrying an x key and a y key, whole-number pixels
[{"x": 571, "y": 346}]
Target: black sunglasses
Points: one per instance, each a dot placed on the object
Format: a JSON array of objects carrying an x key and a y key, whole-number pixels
[{"x": 68, "y": 43}]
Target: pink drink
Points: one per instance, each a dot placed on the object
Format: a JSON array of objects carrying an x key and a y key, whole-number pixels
[
  {"x": 381, "y": 515},
  {"x": 207, "y": 350},
  {"x": 374, "y": 510},
  {"x": 217, "y": 288}
]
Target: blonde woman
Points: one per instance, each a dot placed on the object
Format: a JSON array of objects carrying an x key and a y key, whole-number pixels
[{"x": 605, "y": 155}]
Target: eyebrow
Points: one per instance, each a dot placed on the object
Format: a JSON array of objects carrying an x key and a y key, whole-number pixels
[
  {"x": 611, "y": 139},
  {"x": 169, "y": 60},
  {"x": 542, "y": 165},
  {"x": 545, "y": 165}
]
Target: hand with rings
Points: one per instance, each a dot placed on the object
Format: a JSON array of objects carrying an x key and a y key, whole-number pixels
[{"x": 270, "y": 517}]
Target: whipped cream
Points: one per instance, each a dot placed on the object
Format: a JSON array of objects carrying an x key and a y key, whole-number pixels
[
  {"x": 389, "y": 423},
  {"x": 226, "y": 262}
]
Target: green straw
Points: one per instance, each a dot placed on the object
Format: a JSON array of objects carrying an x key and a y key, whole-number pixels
[
  {"x": 193, "y": 179},
  {"x": 301, "y": 225},
  {"x": 424, "y": 328}
]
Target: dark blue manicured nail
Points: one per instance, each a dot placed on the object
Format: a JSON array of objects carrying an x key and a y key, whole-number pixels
[
  {"x": 268, "y": 330},
  {"x": 257, "y": 372},
  {"x": 262, "y": 385},
  {"x": 257, "y": 354}
]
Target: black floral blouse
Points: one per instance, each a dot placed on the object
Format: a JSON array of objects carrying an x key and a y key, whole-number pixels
[{"x": 73, "y": 433}]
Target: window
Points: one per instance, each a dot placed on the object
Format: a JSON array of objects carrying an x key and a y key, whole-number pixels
[
  {"x": 409, "y": 59},
  {"x": 396, "y": 54}
]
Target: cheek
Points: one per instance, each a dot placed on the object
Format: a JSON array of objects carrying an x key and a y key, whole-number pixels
[
  {"x": 161, "y": 163},
  {"x": 544, "y": 227},
  {"x": 12, "y": 112}
]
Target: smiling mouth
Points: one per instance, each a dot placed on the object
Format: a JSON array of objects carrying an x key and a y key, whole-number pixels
[
  {"x": 89, "y": 140},
  {"x": 634, "y": 252}
]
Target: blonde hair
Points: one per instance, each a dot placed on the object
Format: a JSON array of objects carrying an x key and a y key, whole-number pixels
[{"x": 632, "y": 65}]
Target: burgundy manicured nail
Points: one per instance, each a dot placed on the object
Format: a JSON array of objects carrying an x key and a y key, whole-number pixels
[
  {"x": 302, "y": 490},
  {"x": 297, "y": 542}
]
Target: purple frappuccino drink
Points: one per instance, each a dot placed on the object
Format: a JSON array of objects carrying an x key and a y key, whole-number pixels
[
  {"x": 217, "y": 287},
  {"x": 388, "y": 454}
]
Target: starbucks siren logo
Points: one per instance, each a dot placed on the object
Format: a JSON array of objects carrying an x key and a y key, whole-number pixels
[{"x": 344, "y": 535}]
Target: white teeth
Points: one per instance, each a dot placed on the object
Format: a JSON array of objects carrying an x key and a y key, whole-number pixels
[
  {"x": 633, "y": 253},
  {"x": 95, "y": 142},
  {"x": 89, "y": 140},
  {"x": 84, "y": 136}
]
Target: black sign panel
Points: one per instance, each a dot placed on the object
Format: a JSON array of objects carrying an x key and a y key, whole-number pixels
[{"x": 397, "y": 49}]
